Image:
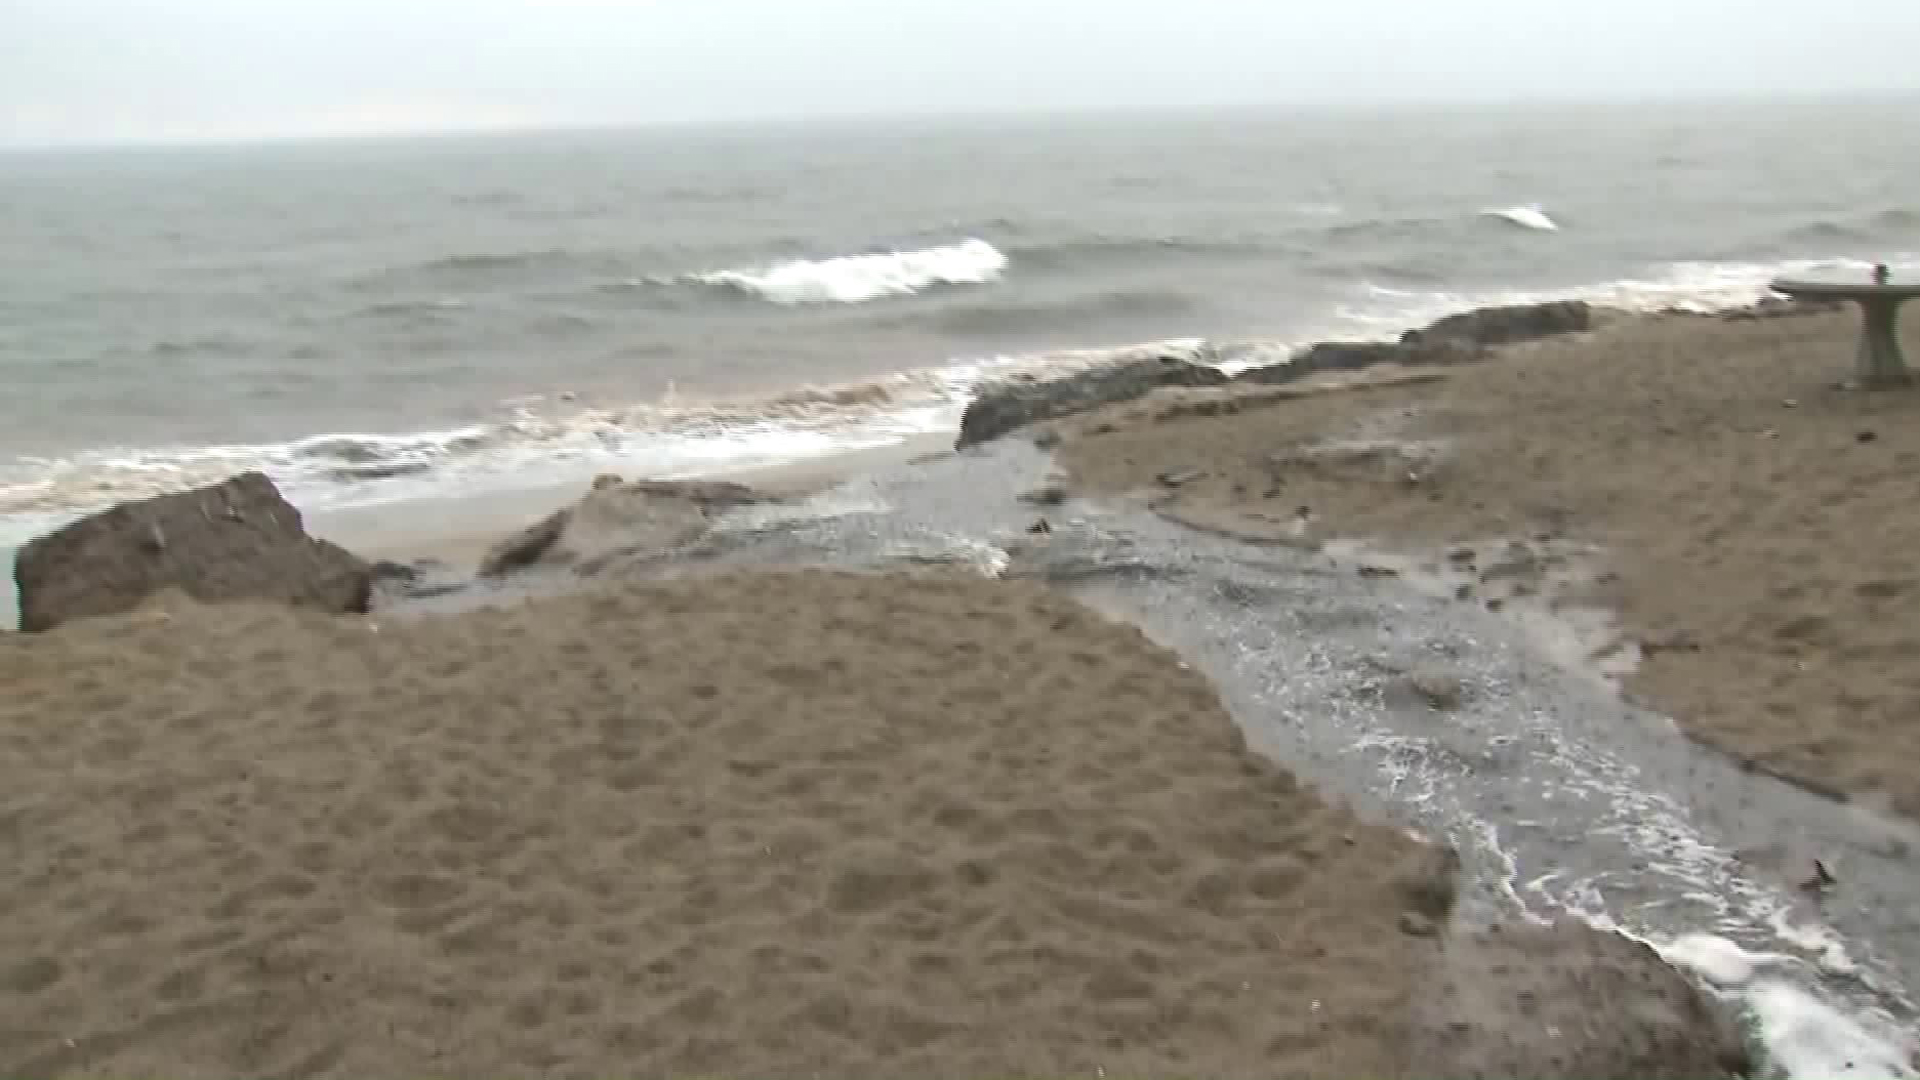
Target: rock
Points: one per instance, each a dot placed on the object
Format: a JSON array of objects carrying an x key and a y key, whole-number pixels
[
  {"x": 617, "y": 518},
  {"x": 1430, "y": 883},
  {"x": 1007, "y": 406},
  {"x": 1566, "y": 1002},
  {"x": 1439, "y": 689},
  {"x": 1340, "y": 356},
  {"x": 1820, "y": 879},
  {"x": 235, "y": 540},
  {"x": 1049, "y": 495},
  {"x": 421, "y": 579},
  {"x": 1456, "y": 339},
  {"x": 1507, "y": 325},
  {"x": 527, "y": 546}
]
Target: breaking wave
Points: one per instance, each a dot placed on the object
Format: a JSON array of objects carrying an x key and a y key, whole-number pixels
[
  {"x": 853, "y": 279},
  {"x": 1525, "y": 217}
]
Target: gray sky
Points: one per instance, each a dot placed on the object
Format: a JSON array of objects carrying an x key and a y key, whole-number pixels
[{"x": 92, "y": 70}]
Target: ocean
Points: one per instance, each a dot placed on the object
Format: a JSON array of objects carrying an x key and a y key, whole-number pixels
[{"x": 384, "y": 319}]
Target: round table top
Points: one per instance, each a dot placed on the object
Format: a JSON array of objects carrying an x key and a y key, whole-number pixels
[{"x": 1906, "y": 288}]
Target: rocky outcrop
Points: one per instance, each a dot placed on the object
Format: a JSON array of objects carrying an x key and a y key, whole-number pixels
[
  {"x": 1508, "y": 325},
  {"x": 1456, "y": 339},
  {"x": 1566, "y": 1002},
  {"x": 235, "y": 540},
  {"x": 1337, "y": 356},
  {"x": 1008, "y": 406},
  {"x": 1452, "y": 340},
  {"x": 619, "y": 518}
]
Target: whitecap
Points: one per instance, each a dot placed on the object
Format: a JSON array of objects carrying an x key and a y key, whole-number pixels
[
  {"x": 853, "y": 279},
  {"x": 1526, "y": 217}
]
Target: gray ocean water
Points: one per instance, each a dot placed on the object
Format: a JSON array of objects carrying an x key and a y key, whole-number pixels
[{"x": 373, "y": 319}]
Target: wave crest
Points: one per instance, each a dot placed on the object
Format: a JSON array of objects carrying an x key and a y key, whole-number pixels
[
  {"x": 854, "y": 279},
  {"x": 1525, "y": 217}
]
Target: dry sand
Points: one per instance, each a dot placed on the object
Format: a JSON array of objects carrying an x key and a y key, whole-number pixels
[
  {"x": 1756, "y": 526},
  {"x": 759, "y": 825}
]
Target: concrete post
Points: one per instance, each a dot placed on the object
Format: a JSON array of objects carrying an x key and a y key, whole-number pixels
[{"x": 1879, "y": 364}]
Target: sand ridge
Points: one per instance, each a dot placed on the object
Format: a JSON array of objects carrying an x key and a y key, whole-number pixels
[
  {"x": 760, "y": 824},
  {"x": 1757, "y": 522}
]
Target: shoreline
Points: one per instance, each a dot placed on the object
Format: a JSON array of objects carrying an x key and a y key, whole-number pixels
[
  {"x": 458, "y": 529},
  {"x": 1322, "y": 669},
  {"x": 321, "y": 468}
]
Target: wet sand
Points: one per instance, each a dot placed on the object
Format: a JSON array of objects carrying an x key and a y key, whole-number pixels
[
  {"x": 458, "y": 530},
  {"x": 1750, "y": 525}
]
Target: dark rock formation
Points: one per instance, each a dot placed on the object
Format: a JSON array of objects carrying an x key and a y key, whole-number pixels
[
  {"x": 1456, "y": 339},
  {"x": 1008, "y": 406},
  {"x": 1452, "y": 340},
  {"x": 1508, "y": 325},
  {"x": 619, "y": 517},
  {"x": 235, "y": 540},
  {"x": 1332, "y": 356}
]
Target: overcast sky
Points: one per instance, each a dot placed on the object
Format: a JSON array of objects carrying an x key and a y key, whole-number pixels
[{"x": 93, "y": 70}]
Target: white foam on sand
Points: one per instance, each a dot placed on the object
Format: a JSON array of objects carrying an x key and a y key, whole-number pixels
[
  {"x": 853, "y": 279},
  {"x": 1804, "y": 1038},
  {"x": 1809, "y": 1024}
]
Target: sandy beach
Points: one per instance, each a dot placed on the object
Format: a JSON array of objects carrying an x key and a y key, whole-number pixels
[
  {"x": 1702, "y": 479},
  {"x": 760, "y": 820},
  {"x": 749, "y": 823},
  {"x": 788, "y": 825}
]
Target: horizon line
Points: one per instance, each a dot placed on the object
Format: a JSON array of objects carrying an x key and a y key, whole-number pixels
[{"x": 1386, "y": 105}]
